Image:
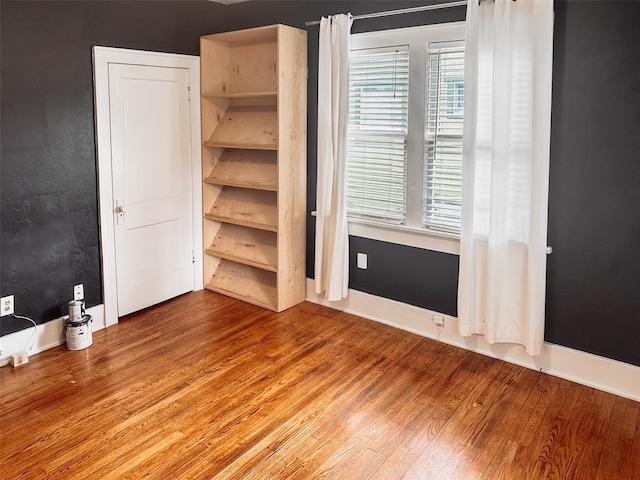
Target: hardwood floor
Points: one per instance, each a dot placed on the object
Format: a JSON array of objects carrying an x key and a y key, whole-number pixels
[{"x": 208, "y": 387}]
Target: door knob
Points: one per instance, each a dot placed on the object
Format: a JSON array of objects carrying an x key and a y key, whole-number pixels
[{"x": 119, "y": 212}]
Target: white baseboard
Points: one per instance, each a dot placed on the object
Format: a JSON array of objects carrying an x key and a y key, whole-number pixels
[
  {"x": 594, "y": 371},
  {"x": 50, "y": 334}
]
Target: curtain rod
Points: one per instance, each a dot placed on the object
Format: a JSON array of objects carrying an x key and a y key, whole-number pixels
[{"x": 388, "y": 13}]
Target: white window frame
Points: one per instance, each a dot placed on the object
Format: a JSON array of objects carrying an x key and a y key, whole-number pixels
[{"x": 411, "y": 234}]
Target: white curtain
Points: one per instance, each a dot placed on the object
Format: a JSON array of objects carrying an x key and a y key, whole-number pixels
[
  {"x": 332, "y": 237},
  {"x": 507, "y": 122}
]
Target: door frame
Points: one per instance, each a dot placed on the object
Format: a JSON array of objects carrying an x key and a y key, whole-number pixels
[{"x": 102, "y": 57}]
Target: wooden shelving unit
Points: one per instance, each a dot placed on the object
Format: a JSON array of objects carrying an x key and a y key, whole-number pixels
[{"x": 254, "y": 164}]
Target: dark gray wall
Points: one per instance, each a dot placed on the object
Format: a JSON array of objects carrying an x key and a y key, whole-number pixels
[
  {"x": 593, "y": 293},
  {"x": 48, "y": 218},
  {"x": 49, "y": 238},
  {"x": 411, "y": 275}
]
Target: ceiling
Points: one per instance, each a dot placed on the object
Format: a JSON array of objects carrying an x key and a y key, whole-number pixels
[{"x": 228, "y": 2}]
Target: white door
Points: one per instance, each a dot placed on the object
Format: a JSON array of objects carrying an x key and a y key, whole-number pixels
[{"x": 152, "y": 193}]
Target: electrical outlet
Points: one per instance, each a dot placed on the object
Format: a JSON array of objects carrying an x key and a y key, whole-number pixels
[
  {"x": 6, "y": 306},
  {"x": 362, "y": 261},
  {"x": 78, "y": 292},
  {"x": 438, "y": 320}
]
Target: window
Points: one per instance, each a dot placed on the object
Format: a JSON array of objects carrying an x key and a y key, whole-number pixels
[
  {"x": 378, "y": 121},
  {"x": 406, "y": 97},
  {"x": 443, "y": 137}
]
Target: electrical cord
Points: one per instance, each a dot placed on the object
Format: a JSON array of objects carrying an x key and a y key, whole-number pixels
[{"x": 32, "y": 339}]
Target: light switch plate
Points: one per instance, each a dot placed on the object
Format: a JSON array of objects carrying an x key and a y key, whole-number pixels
[{"x": 362, "y": 261}]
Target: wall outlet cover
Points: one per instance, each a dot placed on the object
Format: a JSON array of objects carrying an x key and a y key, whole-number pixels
[
  {"x": 78, "y": 292},
  {"x": 6, "y": 306}
]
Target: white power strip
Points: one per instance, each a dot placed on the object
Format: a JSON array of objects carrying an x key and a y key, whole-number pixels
[{"x": 19, "y": 358}]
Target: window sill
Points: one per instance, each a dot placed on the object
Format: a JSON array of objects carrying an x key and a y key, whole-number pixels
[{"x": 403, "y": 235}]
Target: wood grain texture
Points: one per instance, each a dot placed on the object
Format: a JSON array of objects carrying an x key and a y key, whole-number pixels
[
  {"x": 249, "y": 208},
  {"x": 247, "y": 128},
  {"x": 247, "y": 61},
  {"x": 256, "y": 169},
  {"x": 205, "y": 386},
  {"x": 246, "y": 283},
  {"x": 248, "y": 246},
  {"x": 292, "y": 171}
]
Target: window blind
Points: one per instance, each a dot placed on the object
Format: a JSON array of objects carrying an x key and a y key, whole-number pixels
[
  {"x": 378, "y": 124},
  {"x": 443, "y": 137}
]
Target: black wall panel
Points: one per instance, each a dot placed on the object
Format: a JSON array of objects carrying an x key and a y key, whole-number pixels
[
  {"x": 593, "y": 280},
  {"x": 48, "y": 218},
  {"x": 49, "y": 237},
  {"x": 411, "y": 275}
]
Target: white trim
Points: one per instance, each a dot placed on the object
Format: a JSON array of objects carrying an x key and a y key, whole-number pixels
[
  {"x": 102, "y": 56},
  {"x": 594, "y": 371},
  {"x": 50, "y": 334},
  {"x": 403, "y": 235}
]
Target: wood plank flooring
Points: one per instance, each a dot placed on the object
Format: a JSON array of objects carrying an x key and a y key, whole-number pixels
[{"x": 206, "y": 387}]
